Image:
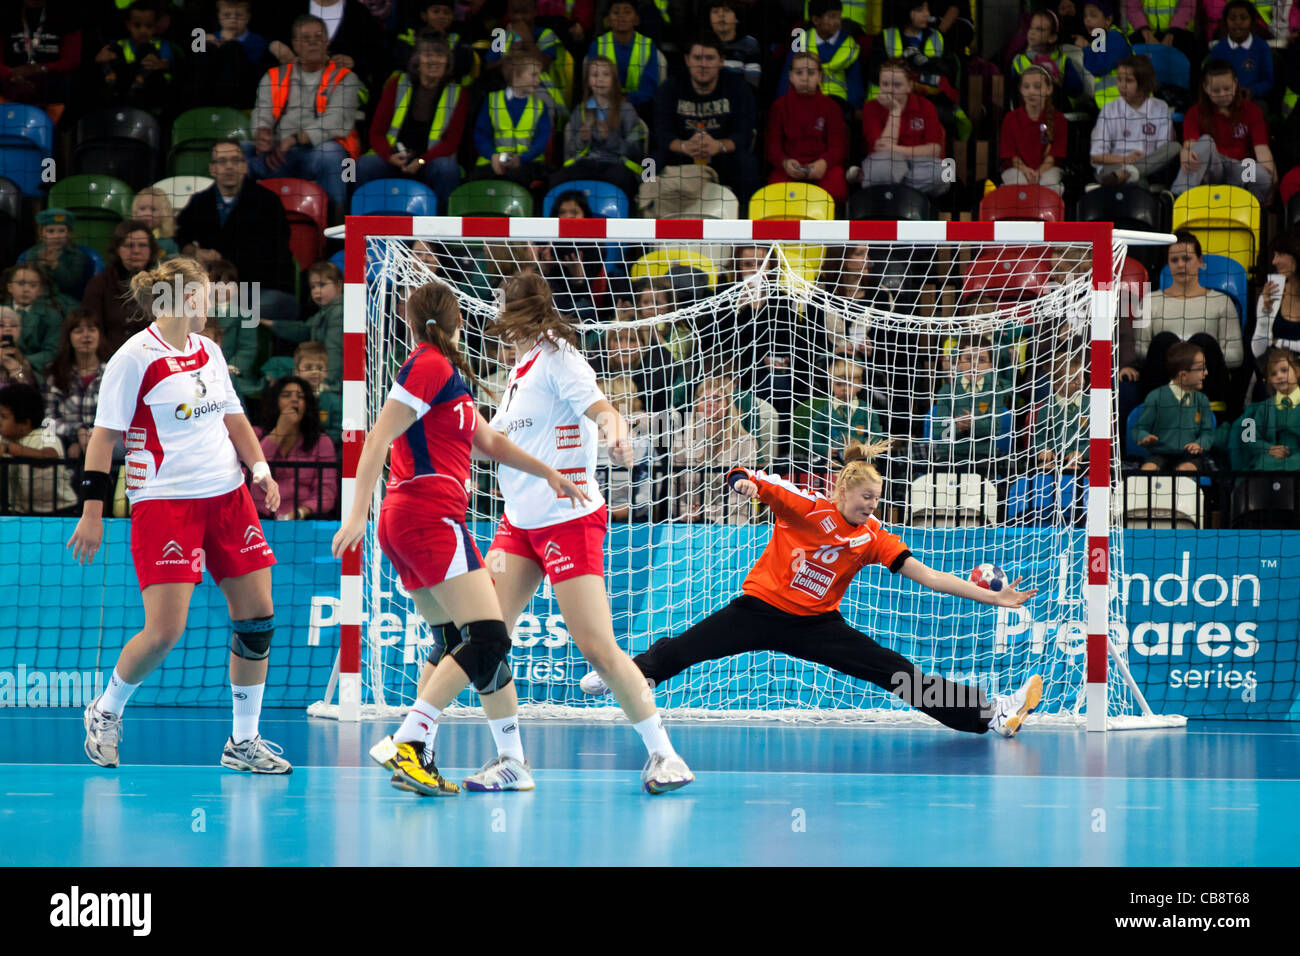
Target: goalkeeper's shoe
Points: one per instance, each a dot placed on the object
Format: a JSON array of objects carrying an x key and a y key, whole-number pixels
[
  {"x": 255, "y": 755},
  {"x": 592, "y": 683},
  {"x": 410, "y": 771},
  {"x": 664, "y": 772},
  {"x": 1010, "y": 712},
  {"x": 103, "y": 732},
  {"x": 500, "y": 773}
]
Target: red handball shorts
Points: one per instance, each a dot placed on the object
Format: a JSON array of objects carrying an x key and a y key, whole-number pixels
[
  {"x": 174, "y": 539},
  {"x": 565, "y": 550},
  {"x": 425, "y": 549}
]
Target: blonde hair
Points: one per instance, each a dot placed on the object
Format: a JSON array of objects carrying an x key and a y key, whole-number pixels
[
  {"x": 141, "y": 290},
  {"x": 857, "y": 469},
  {"x": 167, "y": 225}
]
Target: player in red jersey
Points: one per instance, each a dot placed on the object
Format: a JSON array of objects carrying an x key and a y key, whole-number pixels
[
  {"x": 792, "y": 596},
  {"x": 433, "y": 427},
  {"x": 167, "y": 392}
]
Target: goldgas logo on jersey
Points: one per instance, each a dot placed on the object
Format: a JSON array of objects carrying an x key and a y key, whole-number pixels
[{"x": 185, "y": 412}]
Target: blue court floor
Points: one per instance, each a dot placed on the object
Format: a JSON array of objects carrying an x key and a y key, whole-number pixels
[{"x": 1214, "y": 794}]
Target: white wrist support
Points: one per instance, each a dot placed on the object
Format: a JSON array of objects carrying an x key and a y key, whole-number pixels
[{"x": 261, "y": 470}]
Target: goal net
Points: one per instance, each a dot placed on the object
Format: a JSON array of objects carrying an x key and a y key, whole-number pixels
[{"x": 976, "y": 358}]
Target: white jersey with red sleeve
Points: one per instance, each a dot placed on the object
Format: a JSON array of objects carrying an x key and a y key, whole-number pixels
[
  {"x": 171, "y": 407},
  {"x": 814, "y": 553},
  {"x": 543, "y": 411}
]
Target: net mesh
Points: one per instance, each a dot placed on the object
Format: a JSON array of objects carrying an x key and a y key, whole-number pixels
[{"x": 963, "y": 365}]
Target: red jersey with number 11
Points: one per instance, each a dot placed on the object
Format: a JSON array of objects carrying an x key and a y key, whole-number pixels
[
  {"x": 814, "y": 553},
  {"x": 434, "y": 451}
]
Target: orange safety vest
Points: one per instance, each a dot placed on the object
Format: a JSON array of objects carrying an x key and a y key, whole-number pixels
[{"x": 331, "y": 77}]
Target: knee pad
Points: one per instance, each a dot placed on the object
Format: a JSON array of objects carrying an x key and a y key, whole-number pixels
[
  {"x": 446, "y": 638},
  {"x": 482, "y": 655},
  {"x": 252, "y": 638}
]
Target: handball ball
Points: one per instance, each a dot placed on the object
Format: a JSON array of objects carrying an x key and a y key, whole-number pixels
[{"x": 989, "y": 576}]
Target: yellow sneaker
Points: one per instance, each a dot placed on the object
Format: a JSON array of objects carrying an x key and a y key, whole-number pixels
[{"x": 410, "y": 772}]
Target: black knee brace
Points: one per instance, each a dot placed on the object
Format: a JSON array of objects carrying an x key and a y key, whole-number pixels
[
  {"x": 446, "y": 638},
  {"x": 252, "y": 638},
  {"x": 482, "y": 655}
]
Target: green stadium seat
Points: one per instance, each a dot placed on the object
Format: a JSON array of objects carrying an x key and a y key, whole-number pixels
[
  {"x": 491, "y": 197},
  {"x": 196, "y": 130},
  {"x": 98, "y": 202}
]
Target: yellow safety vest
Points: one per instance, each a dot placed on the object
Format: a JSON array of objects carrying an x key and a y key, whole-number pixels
[
  {"x": 441, "y": 117},
  {"x": 855, "y": 10},
  {"x": 1159, "y": 13},
  {"x": 128, "y": 56},
  {"x": 834, "y": 79},
  {"x": 641, "y": 52},
  {"x": 507, "y": 136},
  {"x": 634, "y": 167}
]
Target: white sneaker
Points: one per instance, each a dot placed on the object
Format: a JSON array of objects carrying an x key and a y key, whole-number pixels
[
  {"x": 500, "y": 773},
  {"x": 1010, "y": 712},
  {"x": 255, "y": 755},
  {"x": 663, "y": 773},
  {"x": 592, "y": 683},
  {"x": 103, "y": 732}
]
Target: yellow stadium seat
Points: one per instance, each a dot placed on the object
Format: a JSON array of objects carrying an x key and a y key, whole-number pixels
[
  {"x": 791, "y": 201},
  {"x": 655, "y": 264},
  {"x": 804, "y": 261},
  {"x": 1225, "y": 219}
]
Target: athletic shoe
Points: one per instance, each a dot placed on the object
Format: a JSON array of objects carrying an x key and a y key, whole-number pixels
[
  {"x": 592, "y": 683},
  {"x": 410, "y": 771},
  {"x": 663, "y": 773},
  {"x": 500, "y": 773},
  {"x": 1010, "y": 711},
  {"x": 255, "y": 755},
  {"x": 103, "y": 731}
]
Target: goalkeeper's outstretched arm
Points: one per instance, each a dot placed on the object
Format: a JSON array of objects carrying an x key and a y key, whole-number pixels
[{"x": 946, "y": 583}]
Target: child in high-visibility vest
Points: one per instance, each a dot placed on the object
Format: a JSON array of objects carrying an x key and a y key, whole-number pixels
[
  {"x": 1167, "y": 22},
  {"x": 137, "y": 69},
  {"x": 634, "y": 54},
  {"x": 1102, "y": 51},
  {"x": 835, "y": 50},
  {"x": 513, "y": 126}
]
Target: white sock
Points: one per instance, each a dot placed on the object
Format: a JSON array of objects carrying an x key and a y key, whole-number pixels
[
  {"x": 421, "y": 724},
  {"x": 505, "y": 731},
  {"x": 248, "y": 707},
  {"x": 654, "y": 736},
  {"x": 115, "y": 696}
]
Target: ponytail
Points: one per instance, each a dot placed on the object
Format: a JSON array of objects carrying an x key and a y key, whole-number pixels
[
  {"x": 528, "y": 313},
  {"x": 857, "y": 465},
  {"x": 433, "y": 315},
  {"x": 176, "y": 273}
]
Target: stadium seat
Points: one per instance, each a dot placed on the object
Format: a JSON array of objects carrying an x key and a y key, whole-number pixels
[
  {"x": 26, "y": 140},
  {"x": 123, "y": 142},
  {"x": 1225, "y": 219},
  {"x": 1138, "y": 451},
  {"x": 1293, "y": 212},
  {"x": 180, "y": 189},
  {"x": 1266, "y": 501},
  {"x": 605, "y": 199},
  {"x": 1161, "y": 501},
  {"x": 1128, "y": 208},
  {"x": 305, "y": 207},
  {"x": 655, "y": 264},
  {"x": 394, "y": 197},
  {"x": 1044, "y": 499},
  {"x": 791, "y": 201},
  {"x": 490, "y": 197},
  {"x": 1221, "y": 274},
  {"x": 98, "y": 202},
  {"x": 891, "y": 202},
  {"x": 950, "y": 500},
  {"x": 1008, "y": 271},
  {"x": 1022, "y": 202},
  {"x": 196, "y": 130},
  {"x": 337, "y": 259}
]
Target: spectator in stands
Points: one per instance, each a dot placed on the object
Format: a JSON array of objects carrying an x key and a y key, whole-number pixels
[
  {"x": 419, "y": 123},
  {"x": 969, "y": 409},
  {"x": 1244, "y": 48},
  {"x": 131, "y": 249},
  {"x": 908, "y": 36},
  {"x": 1277, "y": 310},
  {"x": 1070, "y": 16},
  {"x": 1223, "y": 129},
  {"x": 137, "y": 69},
  {"x": 626, "y": 487},
  {"x": 740, "y": 51},
  {"x": 631, "y": 351},
  {"x": 824, "y": 426},
  {"x": 1061, "y": 435},
  {"x": 305, "y": 120},
  {"x": 604, "y": 139},
  {"x": 655, "y": 298},
  {"x": 237, "y": 220},
  {"x": 846, "y": 277},
  {"x": 1189, "y": 312},
  {"x": 15, "y": 369},
  {"x": 67, "y": 263},
  {"x": 1163, "y": 21},
  {"x": 26, "y": 292},
  {"x": 235, "y": 59},
  {"x": 634, "y": 55},
  {"x": 311, "y": 363},
  {"x": 524, "y": 35},
  {"x": 1042, "y": 48},
  {"x": 290, "y": 431},
  {"x": 353, "y": 38},
  {"x": 72, "y": 384},
  {"x": 708, "y": 120},
  {"x": 574, "y": 272},
  {"x": 806, "y": 137},
  {"x": 438, "y": 18},
  {"x": 153, "y": 207},
  {"x": 325, "y": 280},
  {"x": 712, "y": 434},
  {"x": 836, "y": 53},
  {"x": 1100, "y": 60},
  {"x": 1274, "y": 441},
  {"x": 33, "y": 489},
  {"x": 1175, "y": 422},
  {"x": 41, "y": 53},
  {"x": 513, "y": 126},
  {"x": 238, "y": 341},
  {"x": 1034, "y": 135},
  {"x": 905, "y": 141},
  {"x": 1134, "y": 134}
]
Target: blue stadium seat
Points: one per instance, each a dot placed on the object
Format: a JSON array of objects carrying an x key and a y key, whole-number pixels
[
  {"x": 26, "y": 139},
  {"x": 1043, "y": 498},
  {"x": 1171, "y": 65},
  {"x": 605, "y": 199},
  {"x": 394, "y": 197},
  {"x": 1222, "y": 275}
]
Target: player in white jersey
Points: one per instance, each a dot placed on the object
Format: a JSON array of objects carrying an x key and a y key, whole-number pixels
[
  {"x": 552, "y": 408},
  {"x": 167, "y": 393}
]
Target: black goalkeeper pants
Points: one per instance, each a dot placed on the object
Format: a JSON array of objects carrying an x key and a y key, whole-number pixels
[{"x": 748, "y": 624}]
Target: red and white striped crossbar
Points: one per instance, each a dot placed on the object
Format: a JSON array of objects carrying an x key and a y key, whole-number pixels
[{"x": 1098, "y": 235}]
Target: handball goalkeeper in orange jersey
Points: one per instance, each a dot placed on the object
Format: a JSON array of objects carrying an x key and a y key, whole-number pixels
[{"x": 792, "y": 595}]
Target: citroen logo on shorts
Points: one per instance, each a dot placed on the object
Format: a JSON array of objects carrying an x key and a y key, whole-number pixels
[
  {"x": 173, "y": 549},
  {"x": 252, "y": 533},
  {"x": 552, "y": 550}
]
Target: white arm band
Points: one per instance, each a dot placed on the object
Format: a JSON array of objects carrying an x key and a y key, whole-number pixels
[{"x": 261, "y": 470}]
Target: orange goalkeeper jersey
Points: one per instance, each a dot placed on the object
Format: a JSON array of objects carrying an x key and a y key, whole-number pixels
[{"x": 814, "y": 553}]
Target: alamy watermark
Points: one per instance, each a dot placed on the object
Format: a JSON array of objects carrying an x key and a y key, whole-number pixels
[{"x": 38, "y": 688}]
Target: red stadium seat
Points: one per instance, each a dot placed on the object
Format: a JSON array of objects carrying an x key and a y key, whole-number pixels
[
  {"x": 1022, "y": 202},
  {"x": 1133, "y": 288},
  {"x": 1009, "y": 272},
  {"x": 305, "y": 207}
]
